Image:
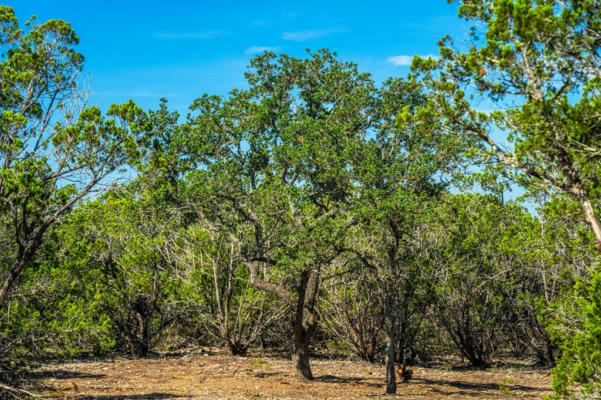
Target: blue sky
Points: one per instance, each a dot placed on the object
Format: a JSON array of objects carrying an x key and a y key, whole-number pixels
[{"x": 182, "y": 49}]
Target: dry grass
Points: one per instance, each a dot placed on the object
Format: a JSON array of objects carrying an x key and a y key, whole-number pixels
[{"x": 215, "y": 376}]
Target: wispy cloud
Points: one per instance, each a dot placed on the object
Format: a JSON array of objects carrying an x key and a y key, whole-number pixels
[
  {"x": 302, "y": 36},
  {"x": 405, "y": 60},
  {"x": 205, "y": 35},
  {"x": 260, "y": 49}
]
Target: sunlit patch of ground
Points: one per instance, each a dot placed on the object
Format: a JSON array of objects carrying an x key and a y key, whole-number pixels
[{"x": 215, "y": 376}]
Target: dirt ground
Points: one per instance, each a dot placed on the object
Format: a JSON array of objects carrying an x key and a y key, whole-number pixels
[{"x": 217, "y": 376}]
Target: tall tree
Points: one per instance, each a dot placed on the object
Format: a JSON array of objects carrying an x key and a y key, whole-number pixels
[
  {"x": 537, "y": 64},
  {"x": 405, "y": 167},
  {"x": 53, "y": 150},
  {"x": 276, "y": 172}
]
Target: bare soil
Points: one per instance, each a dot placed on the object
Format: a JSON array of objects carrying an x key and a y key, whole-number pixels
[{"x": 218, "y": 376}]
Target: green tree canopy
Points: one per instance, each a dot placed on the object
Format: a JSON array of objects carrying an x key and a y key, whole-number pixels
[
  {"x": 53, "y": 150},
  {"x": 537, "y": 65},
  {"x": 276, "y": 169}
]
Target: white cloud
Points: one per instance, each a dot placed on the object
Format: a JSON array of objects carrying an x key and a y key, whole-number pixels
[
  {"x": 260, "y": 49},
  {"x": 189, "y": 35},
  {"x": 405, "y": 60},
  {"x": 302, "y": 36}
]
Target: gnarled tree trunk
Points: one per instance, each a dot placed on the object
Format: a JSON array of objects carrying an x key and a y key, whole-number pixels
[
  {"x": 306, "y": 319},
  {"x": 305, "y": 323}
]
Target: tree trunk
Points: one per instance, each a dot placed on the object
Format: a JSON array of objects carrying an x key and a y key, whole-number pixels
[
  {"x": 235, "y": 348},
  {"x": 401, "y": 349},
  {"x": 141, "y": 339},
  {"x": 548, "y": 361},
  {"x": 592, "y": 219},
  {"x": 300, "y": 358},
  {"x": 305, "y": 320},
  {"x": 305, "y": 323},
  {"x": 25, "y": 257},
  {"x": 143, "y": 310},
  {"x": 13, "y": 274},
  {"x": 390, "y": 363},
  {"x": 589, "y": 211}
]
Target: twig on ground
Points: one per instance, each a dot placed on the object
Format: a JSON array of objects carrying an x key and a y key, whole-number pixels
[{"x": 14, "y": 392}]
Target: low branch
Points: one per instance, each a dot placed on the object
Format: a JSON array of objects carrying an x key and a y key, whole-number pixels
[
  {"x": 508, "y": 160},
  {"x": 282, "y": 293}
]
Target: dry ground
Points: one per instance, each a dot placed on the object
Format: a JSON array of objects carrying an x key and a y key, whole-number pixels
[{"x": 215, "y": 376}]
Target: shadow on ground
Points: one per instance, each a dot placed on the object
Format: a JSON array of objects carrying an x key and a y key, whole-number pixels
[
  {"x": 347, "y": 379},
  {"x": 64, "y": 374},
  {"x": 467, "y": 386},
  {"x": 150, "y": 396}
]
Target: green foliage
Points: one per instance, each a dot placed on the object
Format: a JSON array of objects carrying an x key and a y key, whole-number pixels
[
  {"x": 506, "y": 385},
  {"x": 578, "y": 372},
  {"x": 312, "y": 183},
  {"x": 53, "y": 312},
  {"x": 536, "y": 64},
  {"x": 579, "y": 364},
  {"x": 54, "y": 152},
  {"x": 129, "y": 244},
  {"x": 352, "y": 312},
  {"x": 479, "y": 243}
]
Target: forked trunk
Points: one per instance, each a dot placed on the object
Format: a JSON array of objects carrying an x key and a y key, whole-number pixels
[{"x": 305, "y": 320}]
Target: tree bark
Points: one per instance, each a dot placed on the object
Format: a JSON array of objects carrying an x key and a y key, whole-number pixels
[
  {"x": 300, "y": 358},
  {"x": 591, "y": 217},
  {"x": 305, "y": 323},
  {"x": 143, "y": 314},
  {"x": 25, "y": 256},
  {"x": 13, "y": 274},
  {"x": 390, "y": 363},
  {"x": 305, "y": 320},
  {"x": 281, "y": 292}
]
